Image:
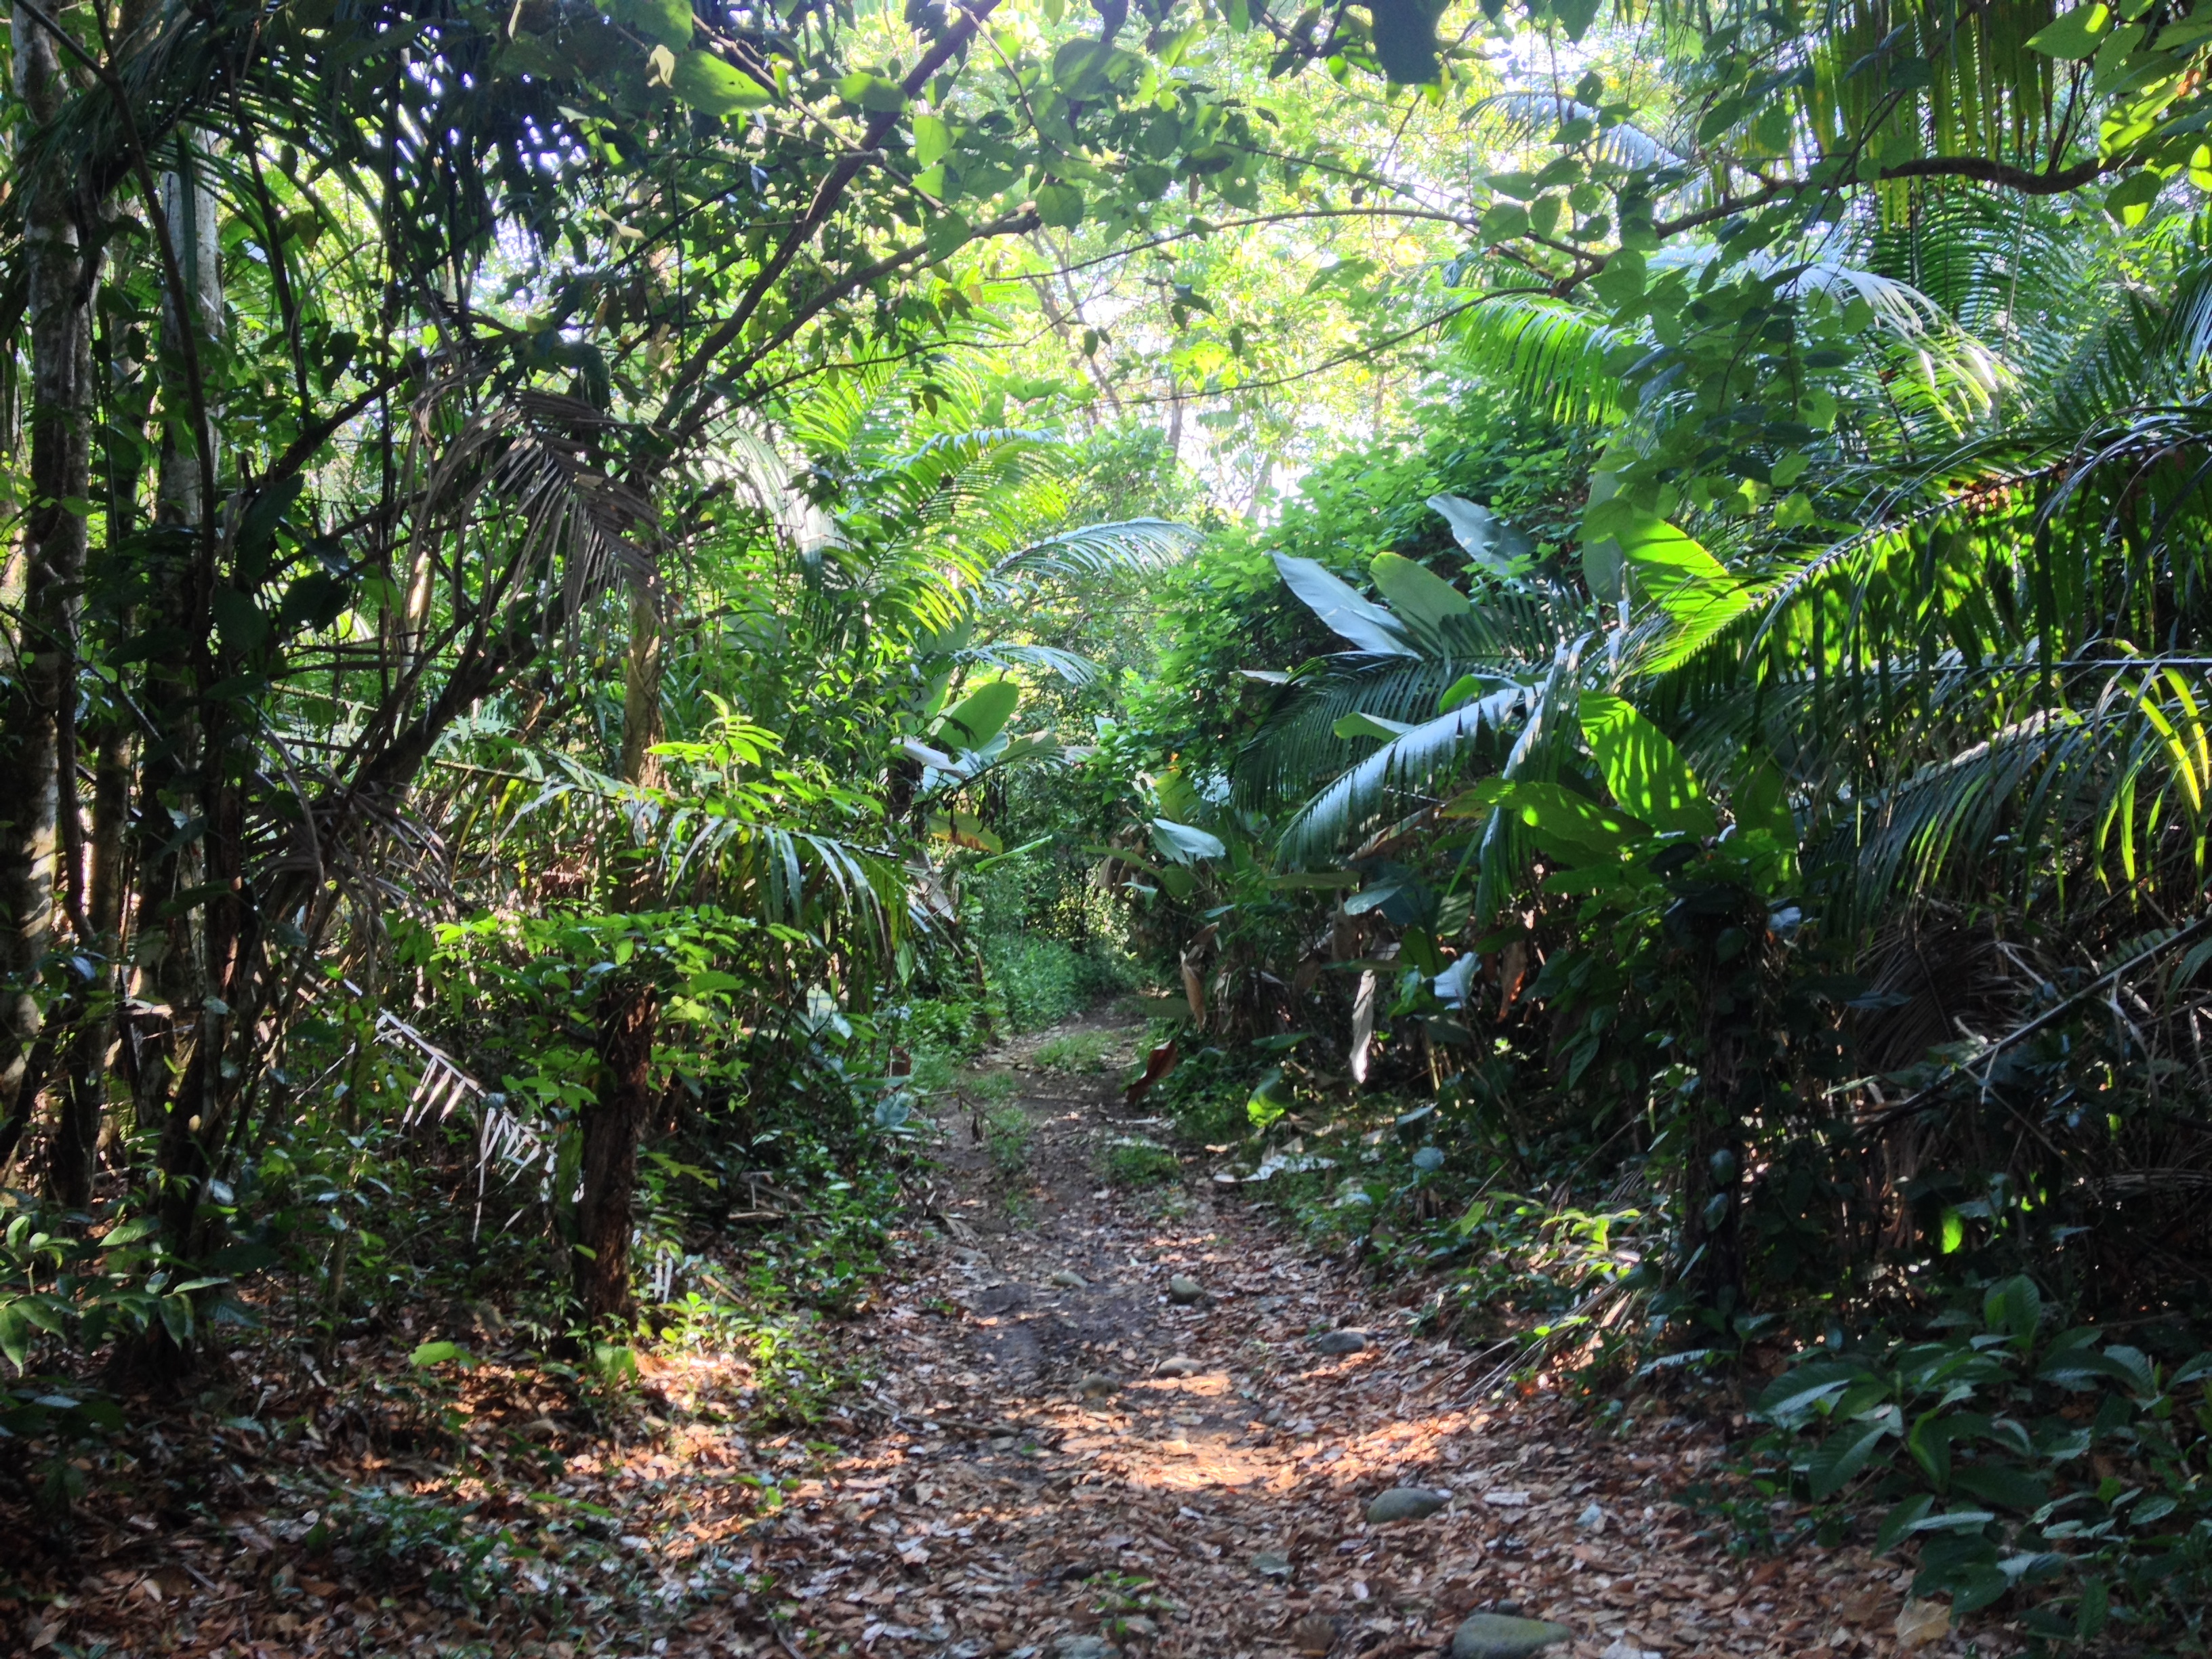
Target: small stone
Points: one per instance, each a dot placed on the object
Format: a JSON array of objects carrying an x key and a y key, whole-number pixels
[
  {"x": 1179, "y": 1364},
  {"x": 1500, "y": 1635},
  {"x": 1268, "y": 1564},
  {"x": 1506, "y": 1500},
  {"x": 1083, "y": 1647},
  {"x": 1591, "y": 1519},
  {"x": 1068, "y": 1280},
  {"x": 1622, "y": 1648},
  {"x": 1339, "y": 1342},
  {"x": 1185, "y": 1291},
  {"x": 1405, "y": 1504},
  {"x": 1098, "y": 1386}
]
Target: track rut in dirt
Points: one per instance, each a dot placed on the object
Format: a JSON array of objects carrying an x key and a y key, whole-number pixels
[{"x": 1069, "y": 1462}]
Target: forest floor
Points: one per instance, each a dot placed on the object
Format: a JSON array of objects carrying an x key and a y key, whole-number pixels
[{"x": 1040, "y": 1450}]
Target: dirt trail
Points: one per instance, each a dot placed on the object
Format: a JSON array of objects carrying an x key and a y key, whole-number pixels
[
  {"x": 1220, "y": 1512},
  {"x": 1051, "y": 1459}
]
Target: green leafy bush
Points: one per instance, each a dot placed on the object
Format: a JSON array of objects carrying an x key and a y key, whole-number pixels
[
  {"x": 2013, "y": 1458},
  {"x": 1132, "y": 1161},
  {"x": 1079, "y": 1051},
  {"x": 1042, "y": 981},
  {"x": 1007, "y": 1131}
]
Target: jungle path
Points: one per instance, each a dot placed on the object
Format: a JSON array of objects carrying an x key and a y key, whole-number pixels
[
  {"x": 1055, "y": 1450},
  {"x": 1070, "y": 1460}
]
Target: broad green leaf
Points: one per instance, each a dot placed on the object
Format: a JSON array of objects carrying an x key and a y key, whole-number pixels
[
  {"x": 666, "y": 22},
  {"x": 1416, "y": 593},
  {"x": 1356, "y": 725},
  {"x": 1504, "y": 222},
  {"x": 706, "y": 83},
  {"x": 1269, "y": 1099},
  {"x": 1620, "y": 283},
  {"x": 2014, "y": 1307},
  {"x": 1487, "y": 539},
  {"x": 945, "y": 234},
  {"x": 1060, "y": 205},
  {"x": 2129, "y": 202},
  {"x": 1405, "y": 33},
  {"x": 933, "y": 140},
  {"x": 872, "y": 93},
  {"x": 1568, "y": 826},
  {"x": 437, "y": 1354},
  {"x": 130, "y": 1231},
  {"x": 2075, "y": 35},
  {"x": 1797, "y": 1391},
  {"x": 1076, "y": 63},
  {"x": 1760, "y": 804},
  {"x": 1998, "y": 1484},
  {"x": 15, "y": 1336},
  {"x": 1676, "y": 574},
  {"x": 1365, "y": 625},
  {"x": 1183, "y": 843},
  {"x": 2193, "y": 1371},
  {"x": 1901, "y": 1520},
  {"x": 1643, "y": 769},
  {"x": 980, "y": 715},
  {"x": 1575, "y": 16},
  {"x": 2094, "y": 1609},
  {"x": 175, "y": 1313},
  {"x": 1841, "y": 1456}
]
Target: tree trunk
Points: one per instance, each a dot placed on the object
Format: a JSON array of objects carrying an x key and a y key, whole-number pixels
[
  {"x": 629, "y": 1019},
  {"x": 172, "y": 945},
  {"x": 612, "y": 1129},
  {"x": 57, "y": 315},
  {"x": 76, "y": 1149},
  {"x": 188, "y": 902}
]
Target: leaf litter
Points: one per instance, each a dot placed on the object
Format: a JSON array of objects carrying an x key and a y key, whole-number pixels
[{"x": 1039, "y": 1453}]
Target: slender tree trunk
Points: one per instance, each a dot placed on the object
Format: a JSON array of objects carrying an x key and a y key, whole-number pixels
[
  {"x": 77, "y": 1150},
  {"x": 57, "y": 314},
  {"x": 628, "y": 1021},
  {"x": 182, "y": 815},
  {"x": 612, "y": 1130}
]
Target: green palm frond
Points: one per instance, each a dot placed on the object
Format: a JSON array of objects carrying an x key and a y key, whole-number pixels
[
  {"x": 1549, "y": 351},
  {"x": 1376, "y": 789},
  {"x": 1095, "y": 549}
]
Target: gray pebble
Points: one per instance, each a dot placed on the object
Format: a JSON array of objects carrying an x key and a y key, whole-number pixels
[
  {"x": 1500, "y": 1635},
  {"x": 1405, "y": 1504}
]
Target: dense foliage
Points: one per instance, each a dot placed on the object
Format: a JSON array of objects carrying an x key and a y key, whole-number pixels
[{"x": 1608, "y": 603}]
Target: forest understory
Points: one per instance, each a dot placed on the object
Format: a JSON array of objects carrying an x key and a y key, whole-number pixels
[
  {"x": 1073, "y": 1418},
  {"x": 1591, "y": 620}
]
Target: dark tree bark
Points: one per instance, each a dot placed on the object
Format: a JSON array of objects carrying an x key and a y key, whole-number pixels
[
  {"x": 57, "y": 314},
  {"x": 76, "y": 1144},
  {"x": 630, "y": 1020},
  {"x": 612, "y": 1130}
]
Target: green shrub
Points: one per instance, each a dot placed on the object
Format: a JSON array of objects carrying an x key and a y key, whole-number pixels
[
  {"x": 1079, "y": 1051},
  {"x": 1207, "y": 1093},
  {"x": 1006, "y": 1138},
  {"x": 1043, "y": 981},
  {"x": 949, "y": 1025},
  {"x": 2014, "y": 1459},
  {"x": 1135, "y": 1161}
]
